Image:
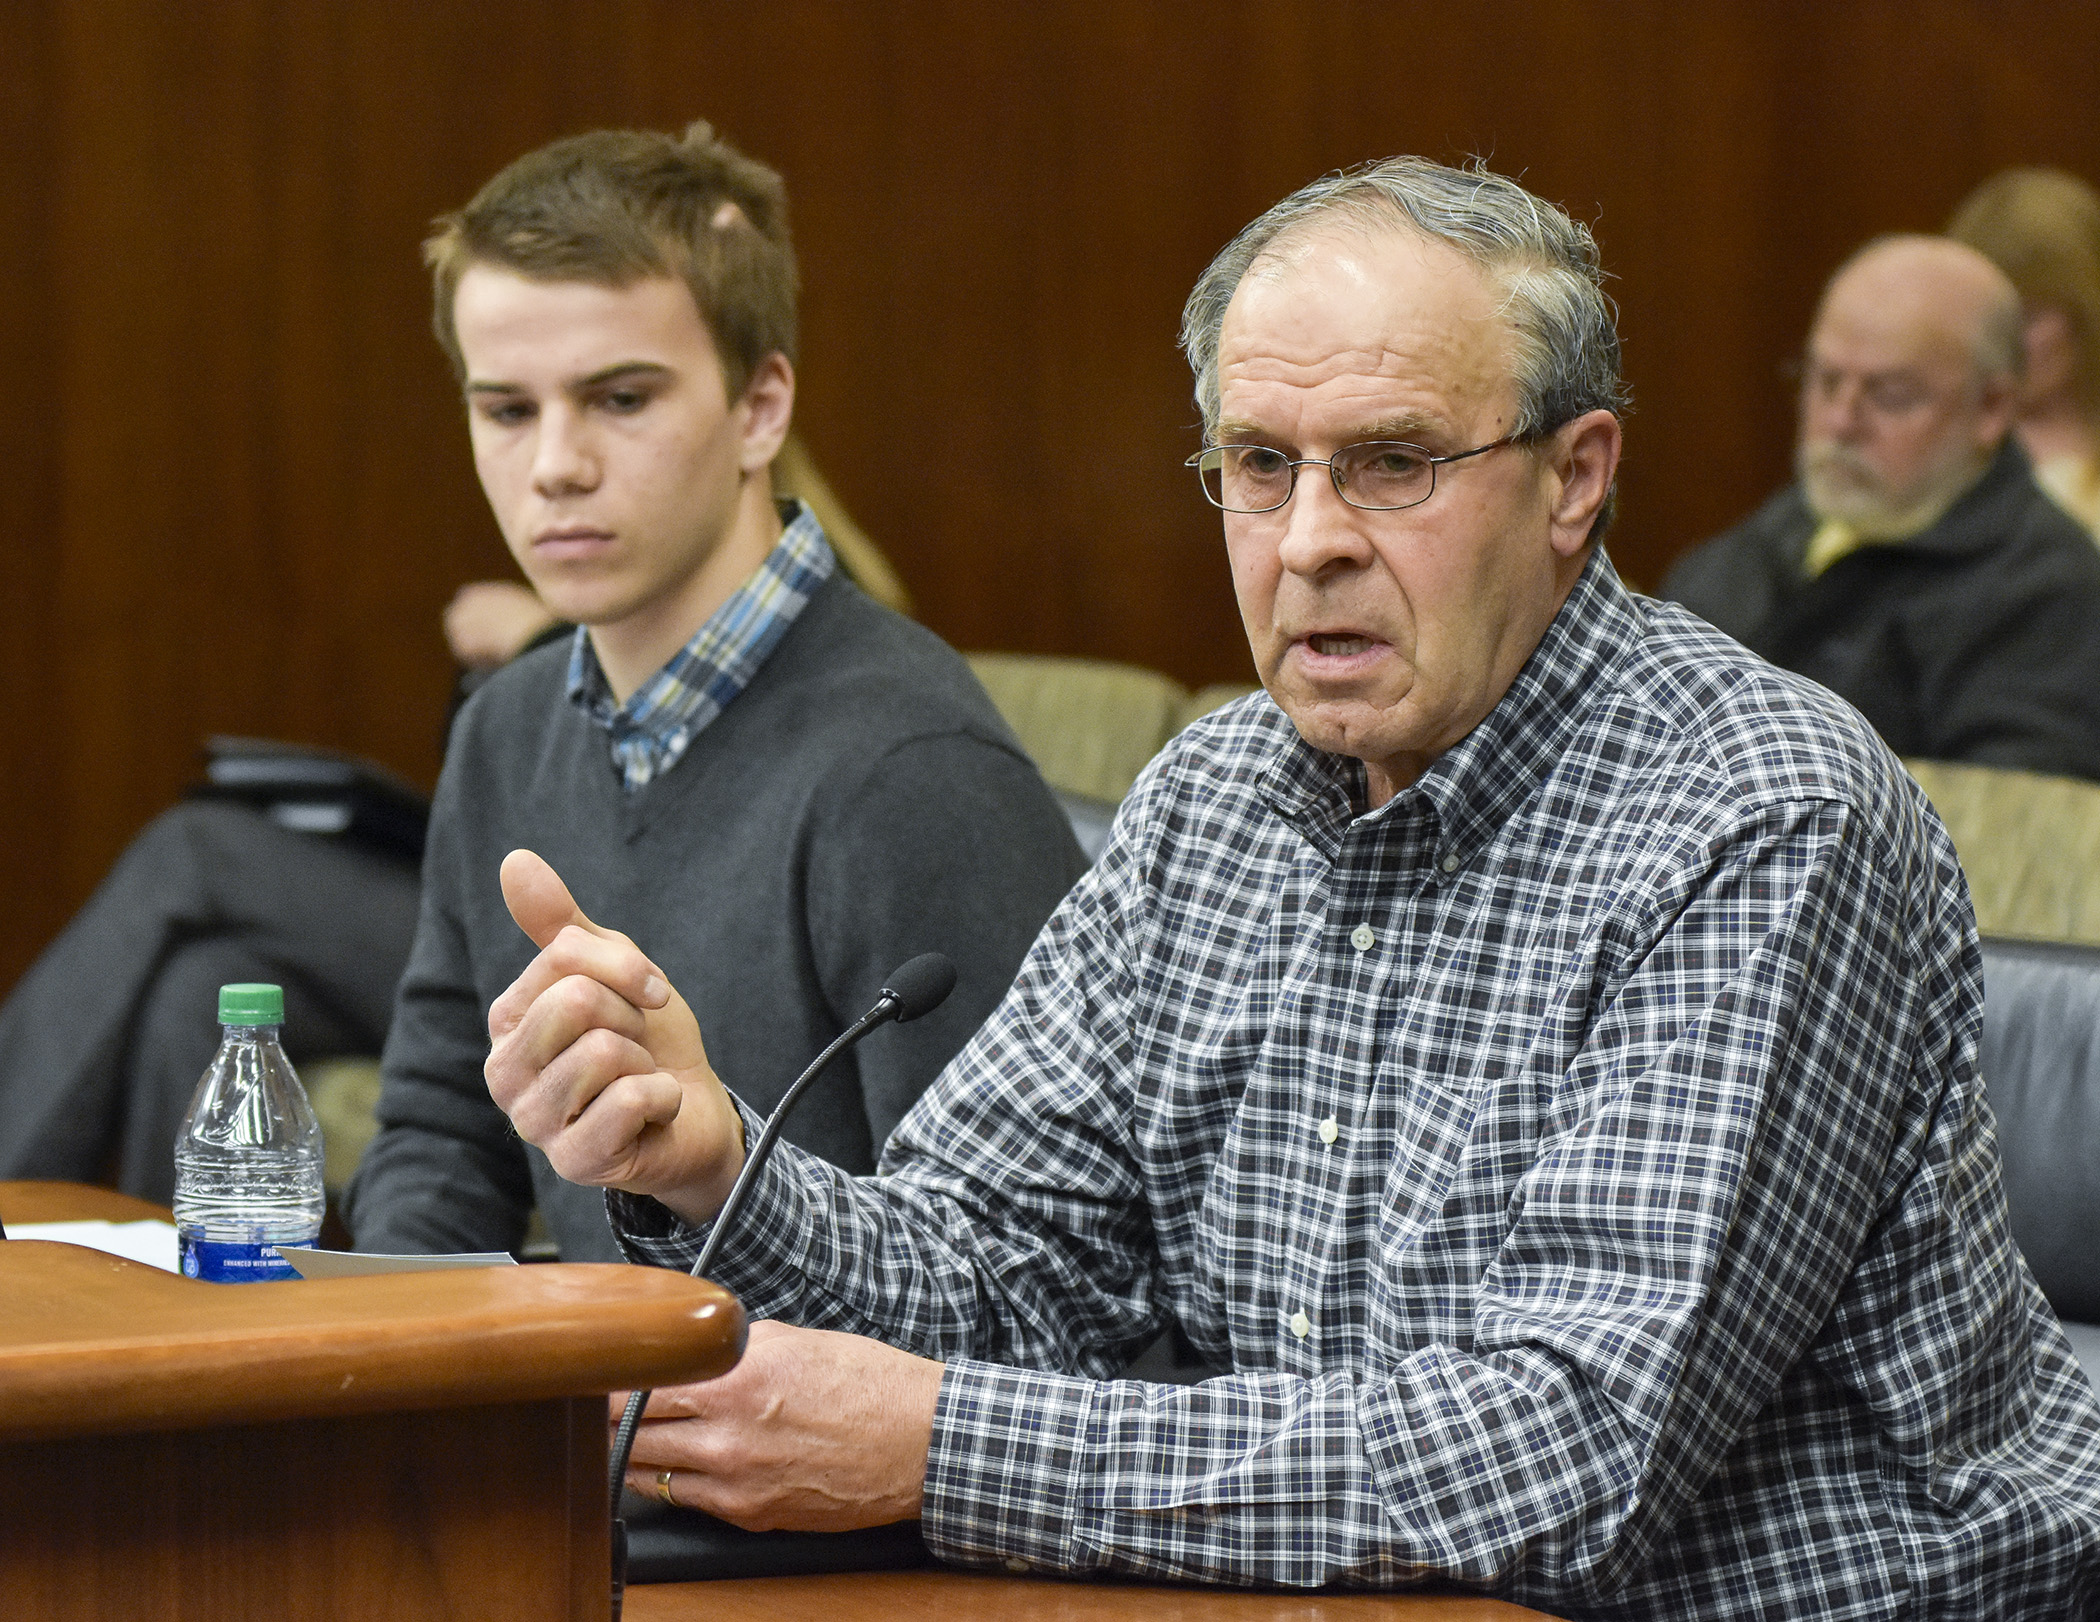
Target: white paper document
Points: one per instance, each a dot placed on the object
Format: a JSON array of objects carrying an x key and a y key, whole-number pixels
[
  {"x": 355, "y": 1264},
  {"x": 151, "y": 1241}
]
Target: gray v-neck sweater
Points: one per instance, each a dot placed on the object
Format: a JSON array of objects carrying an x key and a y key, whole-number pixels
[{"x": 859, "y": 803}]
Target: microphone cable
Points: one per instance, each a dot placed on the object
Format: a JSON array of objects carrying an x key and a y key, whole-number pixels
[{"x": 917, "y": 987}]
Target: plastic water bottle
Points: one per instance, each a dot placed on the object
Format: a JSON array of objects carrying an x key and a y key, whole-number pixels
[{"x": 248, "y": 1160}]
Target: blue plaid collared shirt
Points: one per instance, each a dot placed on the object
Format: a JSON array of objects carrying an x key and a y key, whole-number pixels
[
  {"x": 1579, "y": 1163},
  {"x": 662, "y": 717}
]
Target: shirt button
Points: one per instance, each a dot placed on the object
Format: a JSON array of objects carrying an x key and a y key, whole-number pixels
[
  {"x": 1451, "y": 862},
  {"x": 1363, "y": 937},
  {"x": 1330, "y": 1129},
  {"x": 1301, "y": 1326}
]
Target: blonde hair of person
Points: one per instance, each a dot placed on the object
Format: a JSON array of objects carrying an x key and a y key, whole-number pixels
[{"x": 2042, "y": 228}]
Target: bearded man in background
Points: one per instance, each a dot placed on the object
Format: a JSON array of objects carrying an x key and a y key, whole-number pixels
[{"x": 1915, "y": 568}]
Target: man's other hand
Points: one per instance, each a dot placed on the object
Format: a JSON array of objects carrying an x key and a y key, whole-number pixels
[
  {"x": 598, "y": 1061},
  {"x": 812, "y": 1432},
  {"x": 488, "y": 622}
]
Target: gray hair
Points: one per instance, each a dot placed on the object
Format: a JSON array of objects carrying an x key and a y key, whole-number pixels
[{"x": 1544, "y": 264}]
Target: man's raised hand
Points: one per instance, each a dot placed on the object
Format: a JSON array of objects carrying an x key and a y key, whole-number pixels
[{"x": 599, "y": 1062}]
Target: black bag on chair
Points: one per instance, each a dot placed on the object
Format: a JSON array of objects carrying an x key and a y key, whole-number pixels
[
  {"x": 318, "y": 791},
  {"x": 666, "y": 1544}
]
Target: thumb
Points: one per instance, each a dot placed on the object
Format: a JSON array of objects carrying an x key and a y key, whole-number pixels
[{"x": 538, "y": 899}]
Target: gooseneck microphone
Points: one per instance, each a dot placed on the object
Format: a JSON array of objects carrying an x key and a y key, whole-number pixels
[{"x": 918, "y": 987}]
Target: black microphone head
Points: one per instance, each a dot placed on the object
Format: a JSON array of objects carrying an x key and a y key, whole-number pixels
[{"x": 920, "y": 986}]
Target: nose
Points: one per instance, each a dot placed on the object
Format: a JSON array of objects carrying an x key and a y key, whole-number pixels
[
  {"x": 1320, "y": 528},
  {"x": 564, "y": 461}
]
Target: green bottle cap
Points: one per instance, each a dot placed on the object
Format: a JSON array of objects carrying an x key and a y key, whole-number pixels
[{"x": 251, "y": 1004}]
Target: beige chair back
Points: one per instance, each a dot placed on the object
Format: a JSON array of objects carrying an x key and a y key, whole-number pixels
[
  {"x": 2030, "y": 846},
  {"x": 1090, "y": 725},
  {"x": 1214, "y": 697}
]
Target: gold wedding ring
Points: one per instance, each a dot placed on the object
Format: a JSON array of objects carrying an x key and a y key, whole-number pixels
[{"x": 663, "y": 1488}]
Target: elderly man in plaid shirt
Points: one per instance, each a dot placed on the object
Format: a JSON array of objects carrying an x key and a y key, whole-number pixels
[{"x": 1531, "y": 1046}]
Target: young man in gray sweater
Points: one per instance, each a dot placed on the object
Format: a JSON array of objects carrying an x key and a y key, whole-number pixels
[{"x": 778, "y": 788}]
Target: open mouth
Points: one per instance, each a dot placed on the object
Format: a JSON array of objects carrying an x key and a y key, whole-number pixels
[{"x": 1338, "y": 646}]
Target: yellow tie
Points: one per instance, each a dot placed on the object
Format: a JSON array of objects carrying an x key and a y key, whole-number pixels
[{"x": 1830, "y": 542}]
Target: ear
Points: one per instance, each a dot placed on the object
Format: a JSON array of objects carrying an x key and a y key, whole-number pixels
[
  {"x": 1581, "y": 458},
  {"x": 768, "y": 406},
  {"x": 1997, "y": 404},
  {"x": 2051, "y": 343}
]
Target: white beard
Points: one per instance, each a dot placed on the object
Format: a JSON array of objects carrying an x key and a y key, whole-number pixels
[{"x": 1840, "y": 486}]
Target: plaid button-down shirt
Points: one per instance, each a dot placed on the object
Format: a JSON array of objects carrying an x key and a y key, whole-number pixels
[
  {"x": 661, "y": 717},
  {"x": 1579, "y": 1162}
]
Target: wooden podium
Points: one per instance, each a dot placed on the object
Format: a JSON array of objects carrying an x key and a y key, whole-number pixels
[{"x": 428, "y": 1445}]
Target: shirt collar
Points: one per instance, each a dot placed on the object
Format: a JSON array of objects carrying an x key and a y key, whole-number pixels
[
  {"x": 1474, "y": 786},
  {"x": 650, "y": 732}
]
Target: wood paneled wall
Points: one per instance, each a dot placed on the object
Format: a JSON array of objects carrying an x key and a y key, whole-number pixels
[{"x": 239, "y": 492}]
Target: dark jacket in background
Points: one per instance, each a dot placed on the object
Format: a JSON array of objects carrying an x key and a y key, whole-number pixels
[{"x": 1977, "y": 640}]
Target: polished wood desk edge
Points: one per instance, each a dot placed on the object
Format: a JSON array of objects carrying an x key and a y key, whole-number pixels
[
  {"x": 73, "y": 1202},
  {"x": 953, "y": 1596},
  {"x": 94, "y": 1344}
]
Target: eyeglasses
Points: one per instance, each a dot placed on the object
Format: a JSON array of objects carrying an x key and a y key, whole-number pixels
[
  {"x": 1378, "y": 475},
  {"x": 1886, "y": 394}
]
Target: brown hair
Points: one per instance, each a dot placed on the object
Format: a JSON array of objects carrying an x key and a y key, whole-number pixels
[
  {"x": 2042, "y": 228},
  {"x": 616, "y": 206}
]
